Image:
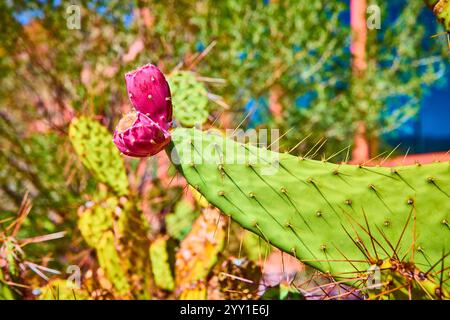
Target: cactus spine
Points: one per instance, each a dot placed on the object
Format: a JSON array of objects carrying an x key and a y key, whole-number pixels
[{"x": 441, "y": 9}]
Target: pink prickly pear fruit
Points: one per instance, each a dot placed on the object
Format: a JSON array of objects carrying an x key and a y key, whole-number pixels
[
  {"x": 149, "y": 93},
  {"x": 137, "y": 135}
]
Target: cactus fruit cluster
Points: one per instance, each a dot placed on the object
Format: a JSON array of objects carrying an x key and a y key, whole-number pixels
[
  {"x": 144, "y": 132},
  {"x": 190, "y": 99},
  {"x": 92, "y": 143},
  {"x": 149, "y": 94},
  {"x": 137, "y": 135}
]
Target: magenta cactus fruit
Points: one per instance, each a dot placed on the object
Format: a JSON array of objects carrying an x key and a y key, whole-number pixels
[
  {"x": 137, "y": 135},
  {"x": 149, "y": 93}
]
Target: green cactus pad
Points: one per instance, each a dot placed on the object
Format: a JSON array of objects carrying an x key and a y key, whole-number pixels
[
  {"x": 93, "y": 144},
  {"x": 162, "y": 271},
  {"x": 339, "y": 219},
  {"x": 61, "y": 289},
  {"x": 96, "y": 225},
  {"x": 256, "y": 248},
  {"x": 5, "y": 291},
  {"x": 189, "y": 99},
  {"x": 198, "y": 252}
]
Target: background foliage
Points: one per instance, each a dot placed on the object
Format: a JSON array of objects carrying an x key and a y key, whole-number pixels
[{"x": 283, "y": 64}]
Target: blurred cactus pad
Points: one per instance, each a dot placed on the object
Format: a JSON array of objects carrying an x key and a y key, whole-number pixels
[
  {"x": 86, "y": 194},
  {"x": 341, "y": 219},
  {"x": 93, "y": 144},
  {"x": 189, "y": 98}
]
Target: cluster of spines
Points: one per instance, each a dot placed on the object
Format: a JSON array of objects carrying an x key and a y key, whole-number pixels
[{"x": 117, "y": 232}]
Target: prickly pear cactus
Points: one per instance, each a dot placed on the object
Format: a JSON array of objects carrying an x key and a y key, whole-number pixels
[
  {"x": 179, "y": 223},
  {"x": 93, "y": 145},
  {"x": 117, "y": 231},
  {"x": 162, "y": 270},
  {"x": 340, "y": 219},
  {"x": 189, "y": 99},
  {"x": 198, "y": 252}
]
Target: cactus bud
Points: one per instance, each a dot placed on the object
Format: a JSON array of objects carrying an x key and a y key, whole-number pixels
[
  {"x": 150, "y": 94},
  {"x": 137, "y": 135}
]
